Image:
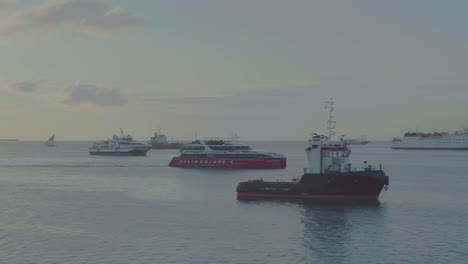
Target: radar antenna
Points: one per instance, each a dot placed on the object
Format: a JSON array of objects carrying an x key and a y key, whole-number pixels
[{"x": 331, "y": 122}]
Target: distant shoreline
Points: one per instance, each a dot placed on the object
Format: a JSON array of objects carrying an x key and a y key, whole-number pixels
[
  {"x": 187, "y": 141},
  {"x": 9, "y": 139}
]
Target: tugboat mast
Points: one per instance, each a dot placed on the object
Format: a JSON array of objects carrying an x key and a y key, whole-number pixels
[{"x": 331, "y": 122}]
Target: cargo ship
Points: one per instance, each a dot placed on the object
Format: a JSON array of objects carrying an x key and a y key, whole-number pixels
[
  {"x": 435, "y": 141},
  {"x": 159, "y": 141},
  {"x": 357, "y": 141},
  {"x": 226, "y": 154},
  {"x": 327, "y": 176}
]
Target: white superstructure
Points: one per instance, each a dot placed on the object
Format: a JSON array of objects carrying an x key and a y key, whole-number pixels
[
  {"x": 222, "y": 148},
  {"x": 437, "y": 140},
  {"x": 325, "y": 155},
  {"x": 219, "y": 153},
  {"x": 119, "y": 146}
]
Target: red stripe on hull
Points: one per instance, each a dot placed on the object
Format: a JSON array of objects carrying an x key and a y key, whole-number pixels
[
  {"x": 272, "y": 163},
  {"x": 307, "y": 196}
]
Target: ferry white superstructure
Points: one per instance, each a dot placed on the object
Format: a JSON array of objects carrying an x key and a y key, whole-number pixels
[
  {"x": 437, "y": 140},
  {"x": 119, "y": 146},
  {"x": 219, "y": 153}
]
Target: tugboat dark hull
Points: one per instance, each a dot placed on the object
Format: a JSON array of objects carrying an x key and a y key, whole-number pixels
[{"x": 355, "y": 185}]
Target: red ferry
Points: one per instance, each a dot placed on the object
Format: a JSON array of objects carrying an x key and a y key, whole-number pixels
[{"x": 226, "y": 154}]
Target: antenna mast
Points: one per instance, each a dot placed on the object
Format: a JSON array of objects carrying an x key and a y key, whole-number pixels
[{"x": 331, "y": 122}]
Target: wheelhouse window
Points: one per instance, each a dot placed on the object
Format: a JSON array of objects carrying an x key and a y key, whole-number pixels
[
  {"x": 193, "y": 148},
  {"x": 230, "y": 148},
  {"x": 193, "y": 155}
]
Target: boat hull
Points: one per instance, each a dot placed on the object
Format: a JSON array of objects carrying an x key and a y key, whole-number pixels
[
  {"x": 431, "y": 148},
  {"x": 253, "y": 196},
  {"x": 122, "y": 153},
  {"x": 357, "y": 185},
  {"x": 223, "y": 163},
  {"x": 435, "y": 141}
]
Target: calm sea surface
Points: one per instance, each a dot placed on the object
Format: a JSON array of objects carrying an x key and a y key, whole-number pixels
[{"x": 61, "y": 205}]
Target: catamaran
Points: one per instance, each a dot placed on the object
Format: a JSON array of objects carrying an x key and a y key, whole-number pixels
[{"x": 229, "y": 154}]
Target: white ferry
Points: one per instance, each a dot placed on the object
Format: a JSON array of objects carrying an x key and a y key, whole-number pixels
[
  {"x": 119, "y": 146},
  {"x": 216, "y": 153},
  {"x": 437, "y": 140}
]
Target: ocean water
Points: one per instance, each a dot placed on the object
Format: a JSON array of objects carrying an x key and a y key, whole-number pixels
[{"x": 61, "y": 205}]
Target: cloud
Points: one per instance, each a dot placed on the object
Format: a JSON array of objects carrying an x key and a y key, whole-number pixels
[
  {"x": 89, "y": 93},
  {"x": 6, "y": 3},
  {"x": 24, "y": 86},
  {"x": 247, "y": 98},
  {"x": 85, "y": 16}
]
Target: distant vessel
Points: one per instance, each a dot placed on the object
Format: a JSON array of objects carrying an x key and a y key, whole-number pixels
[
  {"x": 159, "y": 141},
  {"x": 50, "y": 142},
  {"x": 437, "y": 140},
  {"x": 357, "y": 141},
  {"x": 218, "y": 153},
  {"x": 328, "y": 175},
  {"x": 119, "y": 146}
]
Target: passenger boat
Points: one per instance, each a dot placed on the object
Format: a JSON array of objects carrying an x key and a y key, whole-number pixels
[
  {"x": 124, "y": 145},
  {"x": 216, "y": 153},
  {"x": 436, "y": 141},
  {"x": 327, "y": 176}
]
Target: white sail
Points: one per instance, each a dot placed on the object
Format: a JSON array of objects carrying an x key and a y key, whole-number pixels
[{"x": 50, "y": 142}]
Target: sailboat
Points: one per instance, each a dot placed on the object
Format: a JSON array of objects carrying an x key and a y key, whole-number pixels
[{"x": 50, "y": 142}]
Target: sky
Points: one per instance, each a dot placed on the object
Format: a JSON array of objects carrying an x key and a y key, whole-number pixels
[{"x": 261, "y": 69}]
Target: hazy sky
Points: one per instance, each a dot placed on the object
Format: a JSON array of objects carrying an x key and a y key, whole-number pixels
[{"x": 263, "y": 69}]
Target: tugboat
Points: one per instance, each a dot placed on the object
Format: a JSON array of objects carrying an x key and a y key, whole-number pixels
[
  {"x": 328, "y": 175},
  {"x": 119, "y": 146}
]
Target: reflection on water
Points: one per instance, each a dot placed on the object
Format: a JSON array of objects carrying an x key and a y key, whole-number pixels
[
  {"x": 332, "y": 231},
  {"x": 336, "y": 231},
  {"x": 63, "y": 206}
]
